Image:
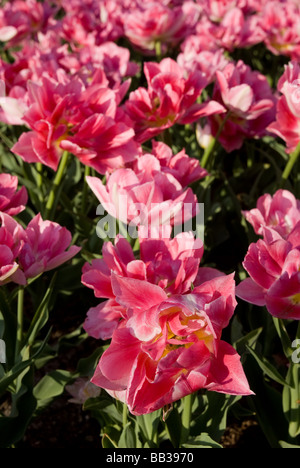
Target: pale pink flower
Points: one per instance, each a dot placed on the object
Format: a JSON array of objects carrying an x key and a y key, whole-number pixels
[
  {"x": 273, "y": 264},
  {"x": 280, "y": 22},
  {"x": 198, "y": 53},
  {"x": 170, "y": 98},
  {"x": 12, "y": 106},
  {"x": 12, "y": 200},
  {"x": 150, "y": 194},
  {"x": 81, "y": 390},
  {"x": 280, "y": 212},
  {"x": 157, "y": 23},
  {"x": 170, "y": 346},
  {"x": 250, "y": 104}
]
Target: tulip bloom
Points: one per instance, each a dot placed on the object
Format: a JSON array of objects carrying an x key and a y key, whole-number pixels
[
  {"x": 170, "y": 346},
  {"x": 41, "y": 246},
  {"x": 153, "y": 192},
  {"x": 273, "y": 264},
  {"x": 12, "y": 201},
  {"x": 172, "y": 264},
  {"x": 86, "y": 121},
  {"x": 170, "y": 98},
  {"x": 9, "y": 267},
  {"x": 287, "y": 121},
  {"x": 280, "y": 212},
  {"x": 249, "y": 101},
  {"x": 148, "y": 25}
]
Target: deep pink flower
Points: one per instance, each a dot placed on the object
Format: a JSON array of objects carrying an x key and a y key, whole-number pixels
[
  {"x": 170, "y": 98},
  {"x": 280, "y": 212},
  {"x": 12, "y": 201},
  {"x": 249, "y": 101},
  {"x": 20, "y": 19},
  {"x": 172, "y": 264},
  {"x": 169, "y": 347},
  {"x": 41, "y": 246},
  {"x": 86, "y": 121},
  {"x": 273, "y": 264}
]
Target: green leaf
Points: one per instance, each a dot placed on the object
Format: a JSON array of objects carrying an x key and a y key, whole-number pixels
[
  {"x": 51, "y": 386},
  {"x": 291, "y": 399},
  {"x": 249, "y": 340},
  {"x": 284, "y": 337},
  {"x": 107, "y": 442},
  {"x": 213, "y": 417},
  {"x": 13, "y": 427},
  {"x": 287, "y": 445},
  {"x": 127, "y": 438},
  {"x": 41, "y": 316},
  {"x": 201, "y": 441},
  {"x": 267, "y": 367},
  {"x": 173, "y": 425}
]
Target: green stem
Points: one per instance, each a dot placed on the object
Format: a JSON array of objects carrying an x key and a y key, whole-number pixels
[
  {"x": 186, "y": 418},
  {"x": 208, "y": 153},
  {"x": 20, "y": 320},
  {"x": 56, "y": 182},
  {"x": 291, "y": 162},
  {"x": 84, "y": 190},
  {"x": 158, "y": 50},
  {"x": 124, "y": 415}
]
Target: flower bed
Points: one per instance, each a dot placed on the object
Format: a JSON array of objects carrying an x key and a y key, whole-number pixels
[{"x": 150, "y": 220}]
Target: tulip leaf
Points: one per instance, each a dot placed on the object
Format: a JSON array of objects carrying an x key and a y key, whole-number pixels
[
  {"x": 50, "y": 386},
  {"x": 201, "y": 441},
  {"x": 267, "y": 367},
  {"x": 291, "y": 399},
  {"x": 128, "y": 438}
]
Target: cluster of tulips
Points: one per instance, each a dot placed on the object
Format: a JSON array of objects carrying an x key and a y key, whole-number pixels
[{"x": 156, "y": 112}]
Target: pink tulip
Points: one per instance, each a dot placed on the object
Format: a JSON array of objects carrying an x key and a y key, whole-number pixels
[
  {"x": 86, "y": 121},
  {"x": 9, "y": 267},
  {"x": 172, "y": 264},
  {"x": 169, "y": 347},
  {"x": 41, "y": 246},
  {"x": 81, "y": 390},
  {"x": 13, "y": 106},
  {"x": 286, "y": 124},
  {"x": 153, "y": 23},
  {"x": 280, "y": 212},
  {"x": 170, "y": 98},
  {"x": 273, "y": 265},
  {"x": 22, "y": 19},
  {"x": 280, "y": 22},
  {"x": 153, "y": 191},
  {"x": 198, "y": 53},
  {"x": 249, "y": 101},
  {"x": 12, "y": 201}
]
